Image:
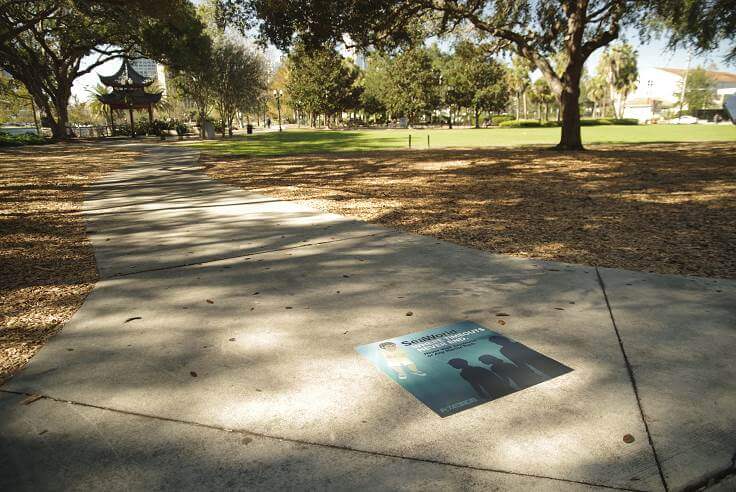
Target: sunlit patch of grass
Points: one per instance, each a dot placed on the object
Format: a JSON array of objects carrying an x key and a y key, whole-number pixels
[{"x": 303, "y": 141}]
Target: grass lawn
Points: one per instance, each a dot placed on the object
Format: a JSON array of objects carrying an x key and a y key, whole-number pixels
[
  {"x": 48, "y": 266},
  {"x": 295, "y": 141}
]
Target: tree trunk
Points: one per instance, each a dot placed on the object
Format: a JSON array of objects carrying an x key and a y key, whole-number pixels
[
  {"x": 132, "y": 124},
  {"x": 518, "y": 104},
  {"x": 58, "y": 122},
  {"x": 570, "y": 139},
  {"x": 477, "y": 117},
  {"x": 35, "y": 117},
  {"x": 526, "y": 113}
]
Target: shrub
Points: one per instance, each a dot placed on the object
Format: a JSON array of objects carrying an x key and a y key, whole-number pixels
[
  {"x": 528, "y": 124},
  {"x": 501, "y": 118},
  {"x": 157, "y": 127},
  {"x": 121, "y": 129},
  {"x": 608, "y": 121},
  {"x": 7, "y": 140},
  {"x": 181, "y": 128}
]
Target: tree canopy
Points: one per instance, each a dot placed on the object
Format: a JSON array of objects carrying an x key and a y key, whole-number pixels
[
  {"x": 320, "y": 81},
  {"x": 46, "y": 55},
  {"x": 476, "y": 79},
  {"x": 618, "y": 66},
  {"x": 536, "y": 29},
  {"x": 700, "y": 91}
]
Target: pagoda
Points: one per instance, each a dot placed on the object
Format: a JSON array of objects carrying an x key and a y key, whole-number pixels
[{"x": 128, "y": 92}]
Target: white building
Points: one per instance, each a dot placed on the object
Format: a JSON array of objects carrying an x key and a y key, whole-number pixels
[{"x": 658, "y": 89}]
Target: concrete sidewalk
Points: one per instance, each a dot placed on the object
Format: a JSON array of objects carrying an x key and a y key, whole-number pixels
[{"x": 218, "y": 351}]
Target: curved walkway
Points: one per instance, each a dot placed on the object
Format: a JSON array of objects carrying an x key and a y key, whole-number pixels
[{"x": 218, "y": 351}]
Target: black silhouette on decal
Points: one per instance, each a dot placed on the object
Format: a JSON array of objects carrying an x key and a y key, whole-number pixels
[
  {"x": 510, "y": 374},
  {"x": 484, "y": 382},
  {"x": 529, "y": 360}
]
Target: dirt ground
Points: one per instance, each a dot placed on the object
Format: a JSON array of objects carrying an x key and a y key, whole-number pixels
[
  {"x": 665, "y": 208},
  {"x": 47, "y": 263}
]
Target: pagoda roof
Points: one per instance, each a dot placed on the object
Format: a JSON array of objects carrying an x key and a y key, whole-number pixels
[
  {"x": 126, "y": 77},
  {"x": 129, "y": 99}
]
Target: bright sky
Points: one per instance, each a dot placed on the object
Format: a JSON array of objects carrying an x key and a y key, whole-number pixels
[{"x": 653, "y": 54}]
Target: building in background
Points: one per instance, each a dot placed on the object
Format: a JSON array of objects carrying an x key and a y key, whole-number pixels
[
  {"x": 658, "y": 90},
  {"x": 152, "y": 70}
]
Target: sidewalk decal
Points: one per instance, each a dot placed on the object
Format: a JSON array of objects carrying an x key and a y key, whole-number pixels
[{"x": 459, "y": 366}]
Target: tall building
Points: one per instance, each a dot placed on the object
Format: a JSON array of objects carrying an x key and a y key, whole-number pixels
[{"x": 151, "y": 69}]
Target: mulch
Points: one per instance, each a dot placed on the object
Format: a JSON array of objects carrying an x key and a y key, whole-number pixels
[
  {"x": 47, "y": 263},
  {"x": 665, "y": 208}
]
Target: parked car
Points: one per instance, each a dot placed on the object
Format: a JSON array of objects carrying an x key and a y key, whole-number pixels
[{"x": 684, "y": 120}]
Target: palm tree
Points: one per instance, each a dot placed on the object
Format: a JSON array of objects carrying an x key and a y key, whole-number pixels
[
  {"x": 622, "y": 72},
  {"x": 97, "y": 107},
  {"x": 519, "y": 81}
]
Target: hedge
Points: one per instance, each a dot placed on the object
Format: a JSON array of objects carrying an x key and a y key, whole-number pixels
[
  {"x": 527, "y": 124},
  {"x": 608, "y": 121},
  {"x": 583, "y": 122},
  {"x": 7, "y": 140}
]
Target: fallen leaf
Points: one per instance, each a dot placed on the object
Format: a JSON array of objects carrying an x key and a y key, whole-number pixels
[
  {"x": 133, "y": 319},
  {"x": 210, "y": 301},
  {"x": 232, "y": 339},
  {"x": 193, "y": 374},
  {"x": 501, "y": 322},
  {"x": 628, "y": 438},
  {"x": 247, "y": 440},
  {"x": 502, "y": 314},
  {"x": 409, "y": 313}
]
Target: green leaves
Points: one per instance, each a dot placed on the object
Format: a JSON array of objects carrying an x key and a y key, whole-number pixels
[{"x": 320, "y": 81}]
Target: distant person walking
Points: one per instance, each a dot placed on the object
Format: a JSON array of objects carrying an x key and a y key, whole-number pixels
[{"x": 268, "y": 123}]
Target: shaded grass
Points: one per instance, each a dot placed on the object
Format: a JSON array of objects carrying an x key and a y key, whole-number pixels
[
  {"x": 300, "y": 141},
  {"x": 665, "y": 208}
]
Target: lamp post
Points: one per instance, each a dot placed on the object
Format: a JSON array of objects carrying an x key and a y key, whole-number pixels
[{"x": 277, "y": 94}]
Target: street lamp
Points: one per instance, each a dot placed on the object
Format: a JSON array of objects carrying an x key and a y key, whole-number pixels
[{"x": 277, "y": 94}]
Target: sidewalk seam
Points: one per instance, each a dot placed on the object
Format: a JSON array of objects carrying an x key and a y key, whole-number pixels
[
  {"x": 632, "y": 379},
  {"x": 316, "y": 444}
]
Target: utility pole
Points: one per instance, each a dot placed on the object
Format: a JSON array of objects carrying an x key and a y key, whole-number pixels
[{"x": 277, "y": 94}]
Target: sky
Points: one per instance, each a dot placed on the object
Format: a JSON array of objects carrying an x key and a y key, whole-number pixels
[{"x": 652, "y": 54}]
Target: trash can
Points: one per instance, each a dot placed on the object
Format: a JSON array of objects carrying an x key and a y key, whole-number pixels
[{"x": 249, "y": 129}]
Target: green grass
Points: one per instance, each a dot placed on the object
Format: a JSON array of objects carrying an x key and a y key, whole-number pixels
[{"x": 311, "y": 141}]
